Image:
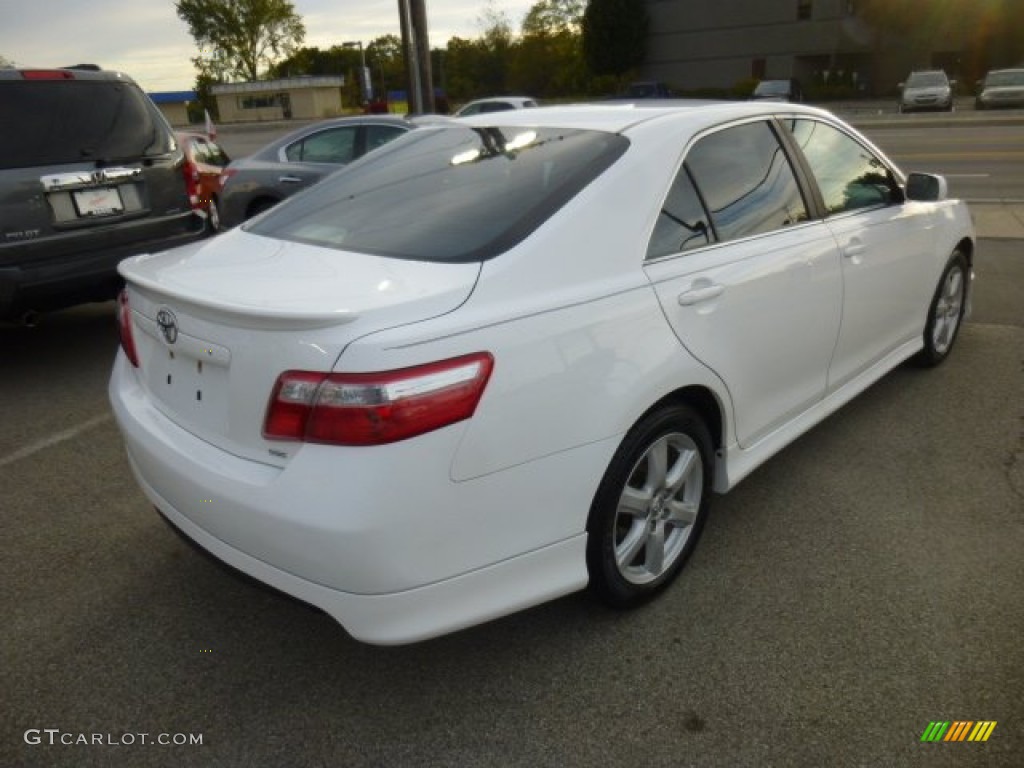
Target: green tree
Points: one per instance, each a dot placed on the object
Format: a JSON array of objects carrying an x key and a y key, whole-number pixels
[
  {"x": 239, "y": 38},
  {"x": 547, "y": 61},
  {"x": 614, "y": 35},
  {"x": 5, "y": 63},
  {"x": 386, "y": 61}
]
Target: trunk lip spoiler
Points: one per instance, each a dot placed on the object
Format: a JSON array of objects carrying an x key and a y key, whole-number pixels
[{"x": 250, "y": 311}]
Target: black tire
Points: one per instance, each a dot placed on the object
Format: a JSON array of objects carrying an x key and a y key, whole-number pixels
[
  {"x": 657, "y": 488},
  {"x": 212, "y": 218},
  {"x": 946, "y": 312}
]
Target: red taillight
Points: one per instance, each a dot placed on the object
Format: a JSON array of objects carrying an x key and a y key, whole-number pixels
[
  {"x": 375, "y": 408},
  {"x": 124, "y": 325},
  {"x": 191, "y": 171}
]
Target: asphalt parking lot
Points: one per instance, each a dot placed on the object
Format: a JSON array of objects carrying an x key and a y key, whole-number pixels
[{"x": 863, "y": 583}]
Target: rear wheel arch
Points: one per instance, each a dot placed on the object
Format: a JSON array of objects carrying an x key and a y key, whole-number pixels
[
  {"x": 702, "y": 400},
  {"x": 259, "y": 205}
]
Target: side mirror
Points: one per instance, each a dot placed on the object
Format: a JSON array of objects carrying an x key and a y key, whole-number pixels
[
  {"x": 900, "y": 85},
  {"x": 926, "y": 187},
  {"x": 952, "y": 83}
]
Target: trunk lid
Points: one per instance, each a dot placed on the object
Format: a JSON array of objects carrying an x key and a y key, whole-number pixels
[{"x": 217, "y": 322}]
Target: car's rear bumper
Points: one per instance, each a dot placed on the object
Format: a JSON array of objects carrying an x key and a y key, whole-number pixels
[
  {"x": 416, "y": 614},
  {"x": 383, "y": 541},
  {"x": 57, "y": 272}
]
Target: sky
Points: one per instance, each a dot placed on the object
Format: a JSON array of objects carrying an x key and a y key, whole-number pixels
[{"x": 147, "y": 40}]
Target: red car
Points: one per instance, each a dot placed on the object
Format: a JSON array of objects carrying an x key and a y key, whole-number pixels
[{"x": 204, "y": 162}]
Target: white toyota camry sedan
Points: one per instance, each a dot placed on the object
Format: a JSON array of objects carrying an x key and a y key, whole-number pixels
[{"x": 509, "y": 356}]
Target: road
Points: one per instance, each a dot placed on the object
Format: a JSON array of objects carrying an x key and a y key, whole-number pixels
[
  {"x": 980, "y": 162},
  {"x": 863, "y": 583}
]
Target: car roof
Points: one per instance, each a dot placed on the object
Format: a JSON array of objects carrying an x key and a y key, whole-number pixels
[{"x": 620, "y": 116}]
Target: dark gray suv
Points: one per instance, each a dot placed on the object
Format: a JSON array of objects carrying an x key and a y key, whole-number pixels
[{"x": 90, "y": 173}]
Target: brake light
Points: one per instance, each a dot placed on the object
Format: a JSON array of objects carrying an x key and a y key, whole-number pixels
[
  {"x": 47, "y": 74},
  {"x": 191, "y": 171},
  {"x": 124, "y": 325},
  {"x": 375, "y": 408}
]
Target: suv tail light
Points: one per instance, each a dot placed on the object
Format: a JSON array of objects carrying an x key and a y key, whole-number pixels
[
  {"x": 375, "y": 408},
  {"x": 191, "y": 171},
  {"x": 124, "y": 326}
]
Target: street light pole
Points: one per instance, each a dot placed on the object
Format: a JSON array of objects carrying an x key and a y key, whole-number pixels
[{"x": 365, "y": 84}]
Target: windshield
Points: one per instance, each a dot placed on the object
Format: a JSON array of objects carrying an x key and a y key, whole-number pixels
[
  {"x": 926, "y": 80},
  {"x": 999, "y": 79},
  {"x": 61, "y": 121},
  {"x": 772, "y": 88},
  {"x": 449, "y": 193}
]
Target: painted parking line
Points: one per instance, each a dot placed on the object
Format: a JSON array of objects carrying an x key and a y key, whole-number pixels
[{"x": 54, "y": 439}]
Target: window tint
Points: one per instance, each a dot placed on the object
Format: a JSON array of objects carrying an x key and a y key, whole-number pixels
[
  {"x": 682, "y": 223},
  {"x": 335, "y": 145},
  {"x": 379, "y": 135},
  {"x": 746, "y": 181},
  {"x": 449, "y": 193},
  {"x": 849, "y": 176},
  {"x": 49, "y": 122}
]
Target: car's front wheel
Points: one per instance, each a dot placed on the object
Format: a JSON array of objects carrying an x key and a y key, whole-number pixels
[
  {"x": 212, "y": 217},
  {"x": 650, "y": 507},
  {"x": 946, "y": 312}
]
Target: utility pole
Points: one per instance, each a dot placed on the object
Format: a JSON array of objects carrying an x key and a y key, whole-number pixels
[{"x": 416, "y": 47}]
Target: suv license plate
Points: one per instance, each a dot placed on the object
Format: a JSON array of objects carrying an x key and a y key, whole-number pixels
[{"x": 98, "y": 202}]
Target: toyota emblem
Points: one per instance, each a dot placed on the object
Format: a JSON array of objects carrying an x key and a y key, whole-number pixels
[{"x": 168, "y": 325}]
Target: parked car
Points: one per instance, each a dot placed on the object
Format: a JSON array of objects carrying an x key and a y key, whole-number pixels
[
  {"x": 1001, "y": 88},
  {"x": 205, "y": 160},
  {"x": 927, "y": 90},
  {"x": 648, "y": 89},
  {"x": 778, "y": 90},
  {"x": 89, "y": 174},
  {"x": 260, "y": 181},
  {"x": 511, "y": 355},
  {"x": 496, "y": 104}
]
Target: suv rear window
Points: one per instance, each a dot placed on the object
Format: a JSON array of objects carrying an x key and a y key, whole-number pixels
[
  {"x": 71, "y": 121},
  {"x": 449, "y": 194}
]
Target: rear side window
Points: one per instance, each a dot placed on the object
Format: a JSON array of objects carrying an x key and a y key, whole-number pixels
[
  {"x": 453, "y": 193},
  {"x": 336, "y": 145},
  {"x": 682, "y": 222},
  {"x": 746, "y": 180},
  {"x": 56, "y": 122}
]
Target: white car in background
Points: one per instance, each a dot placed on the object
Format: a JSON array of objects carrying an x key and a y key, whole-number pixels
[
  {"x": 496, "y": 104},
  {"x": 507, "y": 356}
]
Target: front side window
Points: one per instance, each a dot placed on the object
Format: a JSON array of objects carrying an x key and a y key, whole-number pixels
[
  {"x": 335, "y": 145},
  {"x": 450, "y": 193},
  {"x": 379, "y": 135},
  {"x": 849, "y": 176},
  {"x": 746, "y": 180}
]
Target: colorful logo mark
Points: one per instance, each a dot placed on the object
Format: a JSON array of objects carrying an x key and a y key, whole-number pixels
[{"x": 959, "y": 730}]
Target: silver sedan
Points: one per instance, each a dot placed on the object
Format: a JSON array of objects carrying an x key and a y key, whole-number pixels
[{"x": 257, "y": 182}]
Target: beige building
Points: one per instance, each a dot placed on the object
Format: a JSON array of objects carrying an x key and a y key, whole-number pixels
[
  {"x": 174, "y": 105},
  {"x": 301, "y": 98}
]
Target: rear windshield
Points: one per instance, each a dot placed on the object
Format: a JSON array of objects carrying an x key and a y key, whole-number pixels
[
  {"x": 998, "y": 79},
  {"x": 926, "y": 79},
  {"x": 452, "y": 193},
  {"x": 53, "y": 122}
]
